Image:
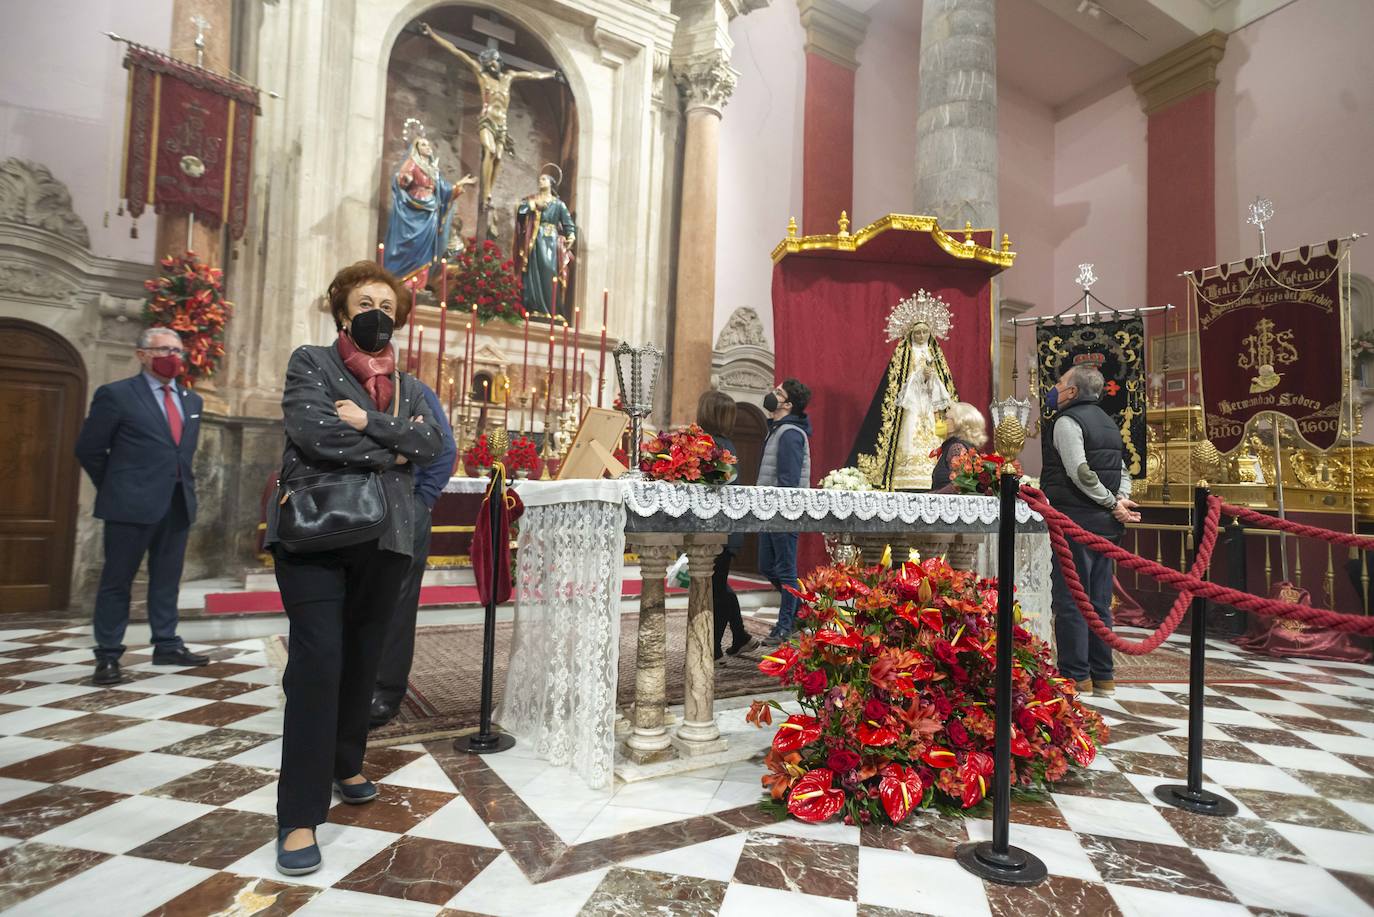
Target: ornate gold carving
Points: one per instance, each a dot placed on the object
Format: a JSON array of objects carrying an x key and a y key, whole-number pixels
[
  {"x": 852, "y": 242},
  {"x": 1010, "y": 437}
]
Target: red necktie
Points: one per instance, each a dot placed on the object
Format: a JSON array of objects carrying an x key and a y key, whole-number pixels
[{"x": 173, "y": 415}]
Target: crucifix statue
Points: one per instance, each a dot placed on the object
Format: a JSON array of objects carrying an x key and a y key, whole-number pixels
[{"x": 495, "y": 81}]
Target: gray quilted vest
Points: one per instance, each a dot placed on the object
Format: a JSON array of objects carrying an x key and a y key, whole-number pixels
[{"x": 768, "y": 465}]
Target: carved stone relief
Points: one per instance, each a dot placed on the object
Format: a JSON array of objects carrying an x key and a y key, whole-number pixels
[
  {"x": 742, "y": 361},
  {"x": 31, "y": 196}
]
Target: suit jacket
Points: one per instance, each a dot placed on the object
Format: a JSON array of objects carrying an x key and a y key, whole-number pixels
[{"x": 126, "y": 447}]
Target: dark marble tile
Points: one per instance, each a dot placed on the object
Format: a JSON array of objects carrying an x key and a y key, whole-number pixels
[
  {"x": 1176, "y": 870},
  {"x": 29, "y": 652},
  {"x": 1361, "y": 885},
  {"x": 1121, "y": 732},
  {"x": 1363, "y": 762},
  {"x": 1265, "y": 736},
  {"x": 10, "y": 685},
  {"x": 1251, "y": 691},
  {"x": 222, "y": 669},
  {"x": 1313, "y": 723},
  {"x": 1214, "y": 748},
  {"x": 227, "y": 894},
  {"x": 1149, "y": 765},
  {"x": 1338, "y": 670},
  {"x": 1055, "y": 897},
  {"x": 926, "y": 833},
  {"x": 218, "y": 744},
  {"x": 217, "y": 690},
  {"x": 1213, "y": 701},
  {"x": 32, "y": 814},
  {"x": 874, "y": 910},
  {"x": 396, "y": 809},
  {"x": 98, "y": 700},
  {"x": 1097, "y": 784},
  {"x": 52, "y": 636},
  {"x": 634, "y": 892},
  {"x": 1348, "y": 714},
  {"x": 1337, "y": 786},
  {"x": 419, "y": 869},
  {"x": 215, "y": 785},
  {"x": 1040, "y": 811},
  {"x": 1155, "y": 711},
  {"x": 796, "y": 865},
  {"x": 10, "y": 708},
  {"x": 380, "y": 762},
  {"x": 24, "y": 667},
  {"x": 65, "y": 763},
  {"x": 1245, "y": 836},
  {"x": 213, "y": 841},
  {"x": 28, "y": 869},
  {"x": 745, "y": 818},
  {"x": 90, "y": 726},
  {"x": 608, "y": 851},
  {"x": 221, "y": 714},
  {"x": 1312, "y": 811}
]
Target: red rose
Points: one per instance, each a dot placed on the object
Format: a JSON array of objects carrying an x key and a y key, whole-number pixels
[
  {"x": 842, "y": 761},
  {"x": 814, "y": 683},
  {"x": 957, "y": 734},
  {"x": 875, "y": 710}
]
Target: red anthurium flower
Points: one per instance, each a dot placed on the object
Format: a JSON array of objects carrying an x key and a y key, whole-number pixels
[
  {"x": 813, "y": 797},
  {"x": 779, "y": 661},
  {"x": 1019, "y": 746},
  {"x": 840, "y": 636},
  {"x": 799, "y": 730},
  {"x": 1082, "y": 749},
  {"x": 975, "y": 771},
  {"x": 877, "y": 735},
  {"x": 939, "y": 757},
  {"x": 900, "y": 790}
]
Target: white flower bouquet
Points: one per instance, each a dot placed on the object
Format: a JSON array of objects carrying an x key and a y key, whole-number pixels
[{"x": 845, "y": 479}]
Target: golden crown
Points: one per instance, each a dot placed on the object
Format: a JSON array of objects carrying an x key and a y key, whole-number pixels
[{"x": 922, "y": 309}]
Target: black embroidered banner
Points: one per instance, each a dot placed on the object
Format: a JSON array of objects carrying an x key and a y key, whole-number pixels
[{"x": 1117, "y": 349}]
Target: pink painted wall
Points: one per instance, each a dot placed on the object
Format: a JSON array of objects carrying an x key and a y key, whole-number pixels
[
  {"x": 1295, "y": 123},
  {"x": 1025, "y": 192},
  {"x": 760, "y": 158},
  {"x": 886, "y": 93},
  {"x": 62, "y": 100}
]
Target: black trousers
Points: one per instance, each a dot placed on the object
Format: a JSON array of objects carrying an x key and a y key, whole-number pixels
[
  {"x": 394, "y": 672},
  {"x": 339, "y": 604},
  {"x": 1081, "y": 653},
  {"x": 125, "y": 544},
  {"x": 726, "y": 603}
]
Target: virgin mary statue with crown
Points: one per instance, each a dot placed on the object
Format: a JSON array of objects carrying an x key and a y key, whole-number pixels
[{"x": 897, "y": 445}]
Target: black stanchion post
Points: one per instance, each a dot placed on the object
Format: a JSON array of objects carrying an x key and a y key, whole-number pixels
[
  {"x": 1192, "y": 796},
  {"x": 996, "y": 860},
  {"x": 486, "y": 742}
]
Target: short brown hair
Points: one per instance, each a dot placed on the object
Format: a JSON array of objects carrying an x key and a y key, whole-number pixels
[
  {"x": 716, "y": 412},
  {"x": 357, "y": 274}
]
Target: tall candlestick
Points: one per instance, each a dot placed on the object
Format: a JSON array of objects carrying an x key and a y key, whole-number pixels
[
  {"x": 601, "y": 369},
  {"x": 577, "y": 330},
  {"x": 548, "y": 388},
  {"x": 381, "y": 252},
  {"x": 443, "y": 334},
  {"x": 467, "y": 363},
  {"x": 443, "y": 281},
  {"x": 525, "y": 363},
  {"x": 420, "y": 351},
  {"x": 563, "y": 384}
]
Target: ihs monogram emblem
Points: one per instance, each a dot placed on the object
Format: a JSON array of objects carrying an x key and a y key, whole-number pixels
[{"x": 1262, "y": 351}]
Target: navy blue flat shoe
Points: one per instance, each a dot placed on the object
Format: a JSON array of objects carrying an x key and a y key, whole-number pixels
[
  {"x": 355, "y": 794},
  {"x": 296, "y": 862}
]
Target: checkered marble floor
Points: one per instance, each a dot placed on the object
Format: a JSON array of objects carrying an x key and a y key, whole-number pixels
[{"x": 156, "y": 797}]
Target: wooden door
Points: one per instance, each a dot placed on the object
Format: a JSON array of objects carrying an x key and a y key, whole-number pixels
[
  {"x": 42, "y": 403},
  {"x": 751, "y": 428}
]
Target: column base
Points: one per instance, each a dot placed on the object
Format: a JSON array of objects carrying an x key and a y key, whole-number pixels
[
  {"x": 641, "y": 749},
  {"x": 692, "y": 740}
]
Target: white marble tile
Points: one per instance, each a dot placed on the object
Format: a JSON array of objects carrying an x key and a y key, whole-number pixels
[
  {"x": 1296, "y": 888},
  {"x": 121, "y": 885},
  {"x": 751, "y": 901},
  {"x": 14, "y": 749},
  {"x": 685, "y": 795},
  {"x": 1059, "y": 850},
  {"x": 149, "y": 736},
  {"x": 139, "y": 773},
  {"x": 57, "y": 674},
  {"x": 613, "y": 820},
  {"x": 834, "y": 832},
  {"x": 1306, "y": 759},
  {"x": 1341, "y": 745},
  {"x": 1364, "y": 729},
  {"x": 13, "y": 789},
  {"x": 568, "y": 821},
  {"x": 1235, "y": 718},
  {"x": 269, "y": 721},
  {"x": 1152, "y": 744},
  {"x": 336, "y": 902},
  {"x": 1267, "y": 706},
  {"x": 1208, "y": 732},
  {"x": 343, "y": 849},
  {"x": 65, "y": 655},
  {"x": 1343, "y": 850},
  {"x": 1146, "y": 902},
  {"x": 746, "y": 772},
  {"x": 263, "y": 800},
  {"x": 1137, "y": 821},
  {"x": 1310, "y": 699},
  {"x": 715, "y": 859},
  {"x": 12, "y": 724},
  {"x": 1364, "y": 811},
  {"x": 1141, "y": 693},
  {"x": 124, "y": 825},
  {"x": 1146, "y": 786},
  {"x": 266, "y": 755},
  {"x": 423, "y": 773},
  {"x": 20, "y": 633},
  {"x": 260, "y": 676},
  {"x": 519, "y": 773},
  {"x": 1239, "y": 775},
  {"x": 731, "y": 794},
  {"x": 1103, "y": 763},
  {"x": 157, "y": 706},
  {"x": 457, "y": 822},
  {"x": 925, "y": 884},
  {"x": 503, "y": 891},
  {"x": 167, "y": 683}
]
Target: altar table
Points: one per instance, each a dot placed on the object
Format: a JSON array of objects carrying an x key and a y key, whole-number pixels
[{"x": 561, "y": 681}]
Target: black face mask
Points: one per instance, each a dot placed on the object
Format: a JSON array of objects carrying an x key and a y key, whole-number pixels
[
  {"x": 371, "y": 330},
  {"x": 770, "y": 402}
]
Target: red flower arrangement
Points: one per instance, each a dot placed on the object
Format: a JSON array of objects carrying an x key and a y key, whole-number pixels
[
  {"x": 189, "y": 299},
  {"x": 686, "y": 455},
  {"x": 482, "y": 275},
  {"x": 478, "y": 455},
  {"x": 522, "y": 455},
  {"x": 976, "y": 473},
  {"x": 894, "y": 673}
]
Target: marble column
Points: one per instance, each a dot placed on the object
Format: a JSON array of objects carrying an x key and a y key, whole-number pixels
[
  {"x": 698, "y": 734},
  {"x": 650, "y": 740},
  {"x": 834, "y": 32},
  {"x": 705, "y": 81},
  {"x": 956, "y": 130}
]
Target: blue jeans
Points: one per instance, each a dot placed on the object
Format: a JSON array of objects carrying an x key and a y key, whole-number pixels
[
  {"x": 778, "y": 562},
  {"x": 1082, "y": 654}
]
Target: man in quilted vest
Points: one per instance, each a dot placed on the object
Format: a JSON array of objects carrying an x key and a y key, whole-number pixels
[{"x": 786, "y": 462}]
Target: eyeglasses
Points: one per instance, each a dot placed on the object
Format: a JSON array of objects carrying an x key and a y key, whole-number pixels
[{"x": 164, "y": 351}]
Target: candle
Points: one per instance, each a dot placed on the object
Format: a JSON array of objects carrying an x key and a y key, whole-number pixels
[
  {"x": 601, "y": 370},
  {"x": 452, "y": 394},
  {"x": 420, "y": 350},
  {"x": 525, "y": 363},
  {"x": 443, "y": 333},
  {"x": 467, "y": 362},
  {"x": 563, "y": 385},
  {"x": 548, "y": 386},
  {"x": 410, "y": 337},
  {"x": 581, "y": 380},
  {"x": 381, "y": 252},
  {"x": 577, "y": 330}
]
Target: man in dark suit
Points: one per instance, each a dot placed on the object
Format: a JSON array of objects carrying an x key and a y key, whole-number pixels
[{"x": 137, "y": 445}]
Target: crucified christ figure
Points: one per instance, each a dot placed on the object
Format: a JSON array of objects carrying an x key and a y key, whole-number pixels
[{"x": 495, "y": 82}]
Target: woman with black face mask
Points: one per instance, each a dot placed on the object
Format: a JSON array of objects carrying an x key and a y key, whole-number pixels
[{"x": 349, "y": 416}]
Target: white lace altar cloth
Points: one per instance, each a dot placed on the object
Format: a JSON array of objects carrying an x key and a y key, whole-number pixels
[{"x": 561, "y": 680}]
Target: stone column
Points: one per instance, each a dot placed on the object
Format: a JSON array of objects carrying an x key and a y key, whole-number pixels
[
  {"x": 834, "y": 32},
  {"x": 650, "y": 740},
  {"x": 705, "y": 81},
  {"x": 698, "y": 734},
  {"x": 956, "y": 130}
]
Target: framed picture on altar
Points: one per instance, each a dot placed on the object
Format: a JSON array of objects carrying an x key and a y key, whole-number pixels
[
  {"x": 592, "y": 453},
  {"x": 1175, "y": 348}
]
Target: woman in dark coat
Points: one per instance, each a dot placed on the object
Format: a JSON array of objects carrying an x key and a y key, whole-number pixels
[
  {"x": 716, "y": 415},
  {"x": 968, "y": 432},
  {"x": 345, "y": 407}
]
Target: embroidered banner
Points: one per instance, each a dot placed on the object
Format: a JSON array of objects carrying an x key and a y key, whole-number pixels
[
  {"x": 1117, "y": 349},
  {"x": 188, "y": 141},
  {"x": 1271, "y": 338}
]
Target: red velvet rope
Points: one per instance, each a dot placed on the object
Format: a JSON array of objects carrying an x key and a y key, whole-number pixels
[
  {"x": 1296, "y": 528},
  {"x": 1061, "y": 525}
]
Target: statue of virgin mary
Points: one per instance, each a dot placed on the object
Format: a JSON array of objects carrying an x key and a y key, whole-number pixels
[
  {"x": 421, "y": 201},
  {"x": 901, "y": 431}
]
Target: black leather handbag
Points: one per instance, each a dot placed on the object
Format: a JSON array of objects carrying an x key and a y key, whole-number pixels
[{"x": 334, "y": 509}]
